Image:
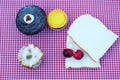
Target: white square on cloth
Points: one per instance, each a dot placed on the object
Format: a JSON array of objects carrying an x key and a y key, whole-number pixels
[
  {"x": 86, "y": 61},
  {"x": 91, "y": 35}
]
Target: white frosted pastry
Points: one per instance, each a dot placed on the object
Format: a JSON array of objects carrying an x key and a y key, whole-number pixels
[
  {"x": 86, "y": 61},
  {"x": 92, "y": 36},
  {"x": 30, "y": 56}
]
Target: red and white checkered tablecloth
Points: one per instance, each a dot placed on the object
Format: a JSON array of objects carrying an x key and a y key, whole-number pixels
[{"x": 53, "y": 42}]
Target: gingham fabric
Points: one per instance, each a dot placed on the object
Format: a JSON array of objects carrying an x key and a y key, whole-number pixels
[{"x": 53, "y": 42}]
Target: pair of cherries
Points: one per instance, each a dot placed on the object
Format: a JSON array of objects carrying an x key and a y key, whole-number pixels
[{"x": 69, "y": 53}]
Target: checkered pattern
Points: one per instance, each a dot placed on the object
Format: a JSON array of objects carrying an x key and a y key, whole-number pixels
[{"x": 53, "y": 42}]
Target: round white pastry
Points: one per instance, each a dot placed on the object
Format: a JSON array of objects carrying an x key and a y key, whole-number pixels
[{"x": 30, "y": 56}]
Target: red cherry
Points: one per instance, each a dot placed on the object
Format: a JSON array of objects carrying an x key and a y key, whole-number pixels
[
  {"x": 68, "y": 53},
  {"x": 78, "y": 54},
  {"x": 28, "y": 18}
]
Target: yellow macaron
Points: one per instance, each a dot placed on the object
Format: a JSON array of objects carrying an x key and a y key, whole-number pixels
[{"x": 57, "y": 19}]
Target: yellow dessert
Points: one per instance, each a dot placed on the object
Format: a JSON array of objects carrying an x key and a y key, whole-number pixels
[{"x": 57, "y": 19}]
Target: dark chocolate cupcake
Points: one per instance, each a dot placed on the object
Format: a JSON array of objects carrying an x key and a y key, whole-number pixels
[{"x": 31, "y": 20}]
